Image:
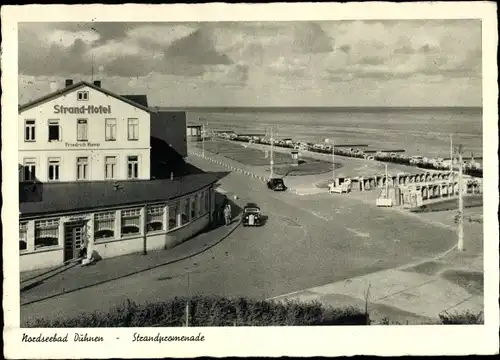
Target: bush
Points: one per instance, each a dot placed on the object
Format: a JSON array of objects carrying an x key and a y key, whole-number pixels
[
  {"x": 213, "y": 311},
  {"x": 463, "y": 318}
]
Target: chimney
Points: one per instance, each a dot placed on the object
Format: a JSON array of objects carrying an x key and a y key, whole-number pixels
[
  {"x": 68, "y": 82},
  {"x": 97, "y": 83}
]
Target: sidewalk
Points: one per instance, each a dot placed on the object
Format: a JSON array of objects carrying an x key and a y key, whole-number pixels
[
  {"x": 415, "y": 293},
  {"x": 62, "y": 280}
]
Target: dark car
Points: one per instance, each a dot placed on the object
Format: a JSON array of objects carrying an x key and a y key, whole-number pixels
[
  {"x": 252, "y": 215},
  {"x": 276, "y": 184}
]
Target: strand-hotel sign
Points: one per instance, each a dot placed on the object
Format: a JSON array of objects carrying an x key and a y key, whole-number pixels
[{"x": 83, "y": 109}]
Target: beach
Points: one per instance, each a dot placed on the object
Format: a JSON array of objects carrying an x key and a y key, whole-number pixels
[{"x": 419, "y": 131}]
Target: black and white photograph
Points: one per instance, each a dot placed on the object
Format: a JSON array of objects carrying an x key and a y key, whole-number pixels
[{"x": 195, "y": 174}]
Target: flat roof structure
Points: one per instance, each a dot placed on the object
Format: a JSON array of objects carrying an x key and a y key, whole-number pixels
[
  {"x": 52, "y": 198},
  {"x": 138, "y": 99}
]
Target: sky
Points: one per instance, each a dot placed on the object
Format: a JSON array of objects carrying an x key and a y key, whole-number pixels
[{"x": 327, "y": 63}]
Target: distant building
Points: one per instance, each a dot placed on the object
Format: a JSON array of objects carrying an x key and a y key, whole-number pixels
[{"x": 87, "y": 177}]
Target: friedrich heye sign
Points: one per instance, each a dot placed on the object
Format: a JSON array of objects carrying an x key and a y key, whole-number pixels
[{"x": 83, "y": 109}]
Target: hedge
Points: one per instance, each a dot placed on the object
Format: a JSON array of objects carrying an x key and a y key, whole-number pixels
[
  {"x": 463, "y": 318},
  {"x": 213, "y": 311},
  {"x": 221, "y": 311}
]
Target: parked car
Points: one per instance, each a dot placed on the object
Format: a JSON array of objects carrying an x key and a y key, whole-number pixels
[
  {"x": 251, "y": 215},
  {"x": 276, "y": 184}
]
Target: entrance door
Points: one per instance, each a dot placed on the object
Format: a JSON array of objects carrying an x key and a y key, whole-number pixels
[{"x": 73, "y": 240}]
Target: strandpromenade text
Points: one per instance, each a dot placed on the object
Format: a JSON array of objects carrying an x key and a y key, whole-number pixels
[{"x": 84, "y": 337}]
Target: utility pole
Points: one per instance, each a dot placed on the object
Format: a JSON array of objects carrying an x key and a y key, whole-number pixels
[
  {"x": 451, "y": 155},
  {"x": 187, "y": 302},
  {"x": 271, "y": 156},
  {"x": 203, "y": 140},
  {"x": 333, "y": 162},
  {"x": 460, "y": 200}
]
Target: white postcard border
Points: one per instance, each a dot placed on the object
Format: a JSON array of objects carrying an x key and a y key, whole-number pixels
[{"x": 269, "y": 341}]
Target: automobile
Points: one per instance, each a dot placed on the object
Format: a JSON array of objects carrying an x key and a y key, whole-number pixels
[
  {"x": 251, "y": 215},
  {"x": 276, "y": 184}
]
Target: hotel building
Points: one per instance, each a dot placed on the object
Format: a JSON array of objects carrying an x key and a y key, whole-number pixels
[{"x": 86, "y": 178}]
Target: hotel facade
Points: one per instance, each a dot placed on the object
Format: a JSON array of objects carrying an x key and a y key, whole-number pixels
[{"x": 85, "y": 179}]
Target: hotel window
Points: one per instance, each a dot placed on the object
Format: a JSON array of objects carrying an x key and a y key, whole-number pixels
[
  {"x": 104, "y": 225},
  {"x": 207, "y": 200},
  {"x": 54, "y": 130},
  {"x": 29, "y": 130},
  {"x": 54, "y": 165},
  {"x": 110, "y": 167},
  {"x": 133, "y": 167},
  {"x": 82, "y": 168},
  {"x": 133, "y": 129},
  {"x": 29, "y": 170},
  {"x": 82, "y": 95},
  {"x": 185, "y": 212},
  {"x": 194, "y": 201},
  {"x": 82, "y": 130},
  {"x": 173, "y": 211},
  {"x": 155, "y": 218},
  {"x": 110, "y": 129},
  {"x": 23, "y": 236},
  {"x": 46, "y": 233},
  {"x": 131, "y": 221}
]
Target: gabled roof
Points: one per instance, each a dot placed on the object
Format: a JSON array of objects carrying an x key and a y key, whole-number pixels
[{"x": 75, "y": 86}]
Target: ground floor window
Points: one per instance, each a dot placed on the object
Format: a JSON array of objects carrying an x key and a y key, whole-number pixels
[
  {"x": 133, "y": 167},
  {"x": 82, "y": 168},
  {"x": 110, "y": 167},
  {"x": 185, "y": 212},
  {"x": 173, "y": 211},
  {"x": 104, "y": 225},
  {"x": 155, "y": 218},
  {"x": 199, "y": 200},
  {"x": 29, "y": 170},
  {"x": 23, "y": 236},
  {"x": 194, "y": 202},
  {"x": 131, "y": 221},
  {"x": 207, "y": 200},
  {"x": 54, "y": 165},
  {"x": 46, "y": 233}
]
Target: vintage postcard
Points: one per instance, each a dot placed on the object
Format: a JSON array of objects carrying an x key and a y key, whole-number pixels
[{"x": 250, "y": 180}]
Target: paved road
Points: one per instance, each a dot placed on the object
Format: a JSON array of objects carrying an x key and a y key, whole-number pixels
[{"x": 307, "y": 242}]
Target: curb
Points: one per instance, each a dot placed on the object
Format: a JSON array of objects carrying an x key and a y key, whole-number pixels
[
  {"x": 242, "y": 171},
  {"x": 238, "y": 223}
]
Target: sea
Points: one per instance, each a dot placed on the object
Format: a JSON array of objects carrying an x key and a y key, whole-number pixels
[{"x": 418, "y": 131}]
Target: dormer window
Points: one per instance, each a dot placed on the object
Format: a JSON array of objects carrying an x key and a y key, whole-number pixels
[{"x": 82, "y": 95}]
